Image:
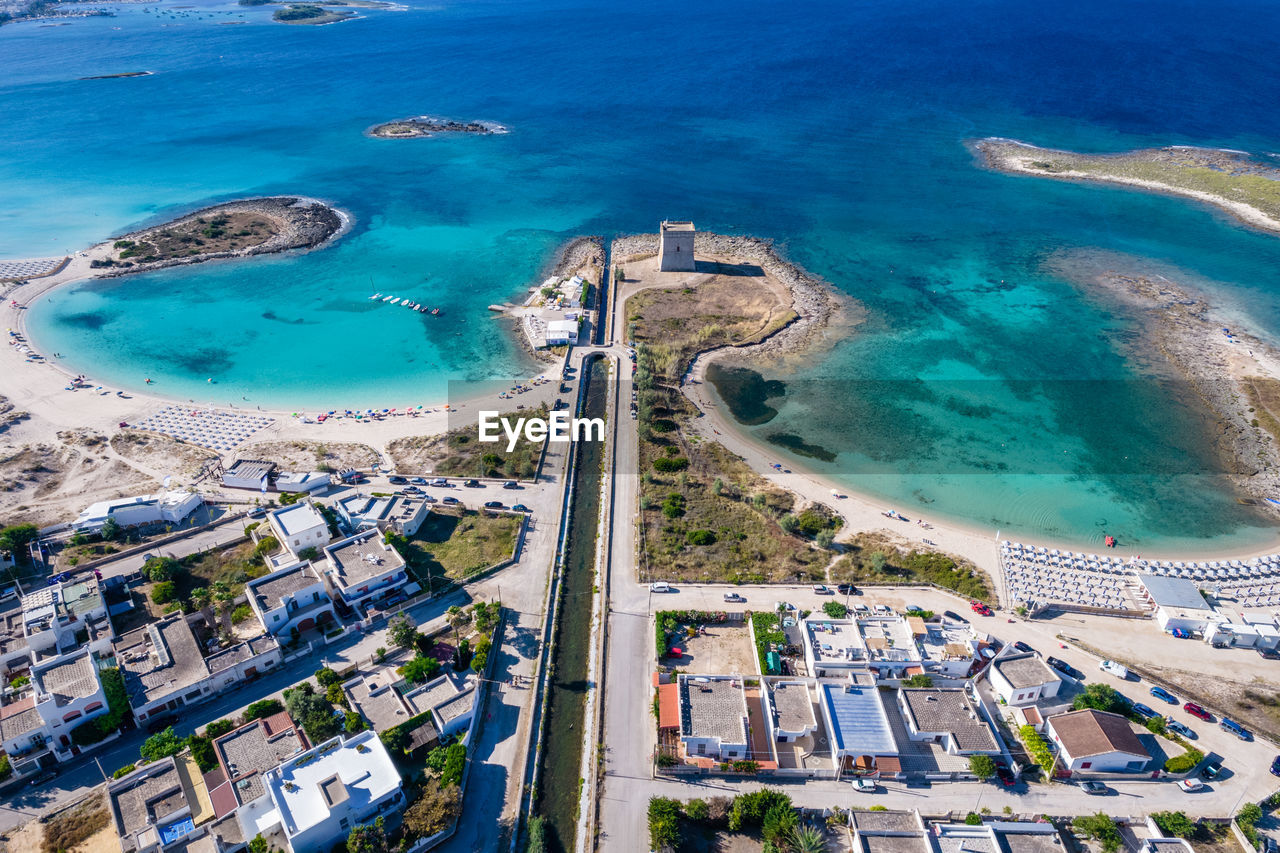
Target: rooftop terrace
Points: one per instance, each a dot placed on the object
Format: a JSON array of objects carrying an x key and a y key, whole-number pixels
[{"x": 713, "y": 708}]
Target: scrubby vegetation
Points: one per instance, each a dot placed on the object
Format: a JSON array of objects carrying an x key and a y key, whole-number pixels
[
  {"x": 872, "y": 559},
  {"x": 457, "y": 544}
]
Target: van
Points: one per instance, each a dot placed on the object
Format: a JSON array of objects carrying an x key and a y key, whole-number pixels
[
  {"x": 660, "y": 586},
  {"x": 1118, "y": 670},
  {"x": 1229, "y": 725}
]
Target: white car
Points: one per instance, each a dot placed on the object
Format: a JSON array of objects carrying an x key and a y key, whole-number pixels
[
  {"x": 733, "y": 596},
  {"x": 864, "y": 786},
  {"x": 1191, "y": 785},
  {"x": 659, "y": 586},
  {"x": 1114, "y": 668}
]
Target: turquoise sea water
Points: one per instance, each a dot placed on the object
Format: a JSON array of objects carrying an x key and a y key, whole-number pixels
[{"x": 835, "y": 128}]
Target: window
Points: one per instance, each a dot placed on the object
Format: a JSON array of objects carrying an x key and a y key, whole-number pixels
[
  {"x": 296, "y": 543},
  {"x": 1086, "y": 765},
  {"x": 702, "y": 749},
  {"x": 275, "y": 617},
  {"x": 344, "y": 823},
  {"x": 194, "y": 694}
]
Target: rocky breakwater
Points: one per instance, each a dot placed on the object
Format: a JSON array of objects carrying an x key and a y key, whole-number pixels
[{"x": 236, "y": 229}]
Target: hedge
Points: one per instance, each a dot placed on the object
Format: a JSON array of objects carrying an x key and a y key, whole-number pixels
[
  {"x": 767, "y": 628},
  {"x": 454, "y": 762},
  {"x": 1185, "y": 762},
  {"x": 668, "y": 621},
  {"x": 1038, "y": 748}
]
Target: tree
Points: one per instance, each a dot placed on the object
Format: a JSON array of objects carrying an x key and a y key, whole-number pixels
[
  {"x": 420, "y": 669},
  {"x": 455, "y": 760},
  {"x": 226, "y": 599},
  {"x": 259, "y": 845},
  {"x": 920, "y": 679},
  {"x": 780, "y": 821},
  {"x": 1156, "y": 725},
  {"x": 749, "y": 809},
  {"x": 162, "y": 744},
  {"x": 163, "y": 592},
  {"x": 1174, "y": 824},
  {"x": 160, "y": 569},
  {"x": 435, "y": 810},
  {"x": 353, "y": 723},
  {"x": 664, "y": 823},
  {"x": 218, "y": 728},
  {"x": 808, "y": 839},
  {"x": 369, "y": 838},
  {"x": 326, "y": 676},
  {"x": 835, "y": 609},
  {"x": 16, "y": 537},
  {"x": 402, "y": 633},
  {"x": 1101, "y": 697},
  {"x": 825, "y": 539},
  {"x": 202, "y": 600},
  {"x": 697, "y": 809},
  {"x": 982, "y": 766},
  {"x": 110, "y": 529},
  {"x": 202, "y": 752},
  {"x": 1100, "y": 828},
  {"x": 313, "y": 713}
]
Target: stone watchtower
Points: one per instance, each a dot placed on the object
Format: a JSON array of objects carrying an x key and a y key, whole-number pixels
[{"x": 675, "y": 247}]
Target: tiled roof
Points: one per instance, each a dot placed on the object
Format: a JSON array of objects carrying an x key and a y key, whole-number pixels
[
  {"x": 160, "y": 659},
  {"x": 17, "y": 725},
  {"x": 714, "y": 708},
  {"x": 1089, "y": 732},
  {"x": 950, "y": 711},
  {"x": 259, "y": 746},
  {"x": 868, "y": 821}
]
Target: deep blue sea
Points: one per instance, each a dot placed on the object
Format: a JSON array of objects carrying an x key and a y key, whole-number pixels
[{"x": 983, "y": 386}]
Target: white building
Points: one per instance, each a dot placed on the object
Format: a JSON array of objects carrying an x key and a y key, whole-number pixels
[
  {"x": 172, "y": 507},
  {"x": 1023, "y": 679},
  {"x": 451, "y": 701},
  {"x": 791, "y": 705},
  {"x": 303, "y": 481},
  {"x": 1097, "y": 741},
  {"x": 291, "y": 597},
  {"x": 948, "y": 717},
  {"x": 150, "y": 807},
  {"x": 363, "y": 567},
  {"x": 57, "y": 618},
  {"x": 403, "y": 514},
  {"x": 249, "y": 474},
  {"x": 298, "y": 527},
  {"x": 713, "y": 717},
  {"x": 884, "y": 645},
  {"x": 321, "y": 794},
  {"x": 66, "y": 692},
  {"x": 1179, "y": 604},
  {"x": 561, "y": 332}
]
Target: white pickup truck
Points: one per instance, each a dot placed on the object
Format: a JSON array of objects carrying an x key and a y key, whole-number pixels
[{"x": 1114, "y": 668}]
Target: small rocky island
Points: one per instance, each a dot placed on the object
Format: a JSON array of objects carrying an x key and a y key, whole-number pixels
[
  {"x": 236, "y": 229},
  {"x": 421, "y": 127}
]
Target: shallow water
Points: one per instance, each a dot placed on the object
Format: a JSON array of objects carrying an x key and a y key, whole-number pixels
[{"x": 835, "y": 128}]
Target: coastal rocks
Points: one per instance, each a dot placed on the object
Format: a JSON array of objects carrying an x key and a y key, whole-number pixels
[
  {"x": 237, "y": 229},
  {"x": 814, "y": 302},
  {"x": 423, "y": 127}
]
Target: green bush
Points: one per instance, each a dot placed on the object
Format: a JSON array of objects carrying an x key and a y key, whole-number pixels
[
  {"x": 673, "y": 505},
  {"x": 670, "y": 464},
  {"x": 768, "y": 630},
  {"x": 326, "y": 676},
  {"x": 202, "y": 751},
  {"x": 973, "y": 819},
  {"x": 1174, "y": 824},
  {"x": 749, "y": 809},
  {"x": 124, "y": 771},
  {"x": 700, "y": 537},
  {"x": 835, "y": 609},
  {"x": 240, "y": 614},
  {"x": 6, "y": 769},
  {"x": 98, "y": 728},
  {"x": 697, "y": 809},
  {"x": 1156, "y": 725},
  {"x": 162, "y": 744},
  {"x": 664, "y": 823},
  {"x": 920, "y": 679},
  {"x": 262, "y": 708},
  {"x": 1101, "y": 697},
  {"x": 454, "y": 762},
  {"x": 1100, "y": 828},
  {"x": 218, "y": 728},
  {"x": 1185, "y": 762},
  {"x": 982, "y": 766},
  {"x": 1038, "y": 748},
  {"x": 163, "y": 592}
]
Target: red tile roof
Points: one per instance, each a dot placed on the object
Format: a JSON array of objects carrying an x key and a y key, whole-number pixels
[{"x": 668, "y": 706}]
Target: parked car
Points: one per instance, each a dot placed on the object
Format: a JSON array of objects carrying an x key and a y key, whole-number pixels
[
  {"x": 40, "y": 778},
  {"x": 847, "y": 589},
  {"x": 1196, "y": 711},
  {"x": 1023, "y": 647},
  {"x": 397, "y": 481},
  {"x": 912, "y": 609},
  {"x": 1094, "y": 788},
  {"x": 1006, "y": 777},
  {"x": 1275, "y": 766},
  {"x": 411, "y": 490},
  {"x": 258, "y": 512},
  {"x": 426, "y": 498},
  {"x": 979, "y": 608},
  {"x": 862, "y": 610},
  {"x": 159, "y": 724},
  {"x": 819, "y": 589},
  {"x": 1226, "y": 724},
  {"x": 659, "y": 586},
  {"x": 1191, "y": 786},
  {"x": 954, "y": 617},
  {"x": 733, "y": 596},
  {"x": 1181, "y": 633},
  {"x": 884, "y": 609},
  {"x": 511, "y": 484},
  {"x": 864, "y": 786},
  {"x": 1114, "y": 668},
  {"x": 418, "y": 481},
  {"x": 1212, "y": 770},
  {"x": 472, "y": 484},
  {"x": 439, "y": 481},
  {"x": 1143, "y": 711},
  {"x": 1178, "y": 728},
  {"x": 450, "y": 499},
  {"x": 1063, "y": 667},
  {"x": 493, "y": 504},
  {"x": 1161, "y": 693},
  {"x": 521, "y": 508}
]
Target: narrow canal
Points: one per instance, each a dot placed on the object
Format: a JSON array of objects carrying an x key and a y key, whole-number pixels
[{"x": 559, "y": 790}]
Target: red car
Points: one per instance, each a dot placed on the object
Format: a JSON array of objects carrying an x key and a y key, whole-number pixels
[
  {"x": 1196, "y": 711},
  {"x": 980, "y": 608}
]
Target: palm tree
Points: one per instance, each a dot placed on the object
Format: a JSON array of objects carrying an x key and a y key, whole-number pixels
[
  {"x": 226, "y": 601},
  {"x": 807, "y": 839},
  {"x": 202, "y": 600}
]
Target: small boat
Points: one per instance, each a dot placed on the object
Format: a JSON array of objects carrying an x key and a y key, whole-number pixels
[
  {"x": 387, "y": 298},
  {"x": 375, "y": 296},
  {"x": 394, "y": 301},
  {"x": 435, "y": 310}
]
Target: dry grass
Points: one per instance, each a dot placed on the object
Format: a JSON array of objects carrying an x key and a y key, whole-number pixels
[
  {"x": 1264, "y": 403},
  {"x": 161, "y": 453},
  {"x": 72, "y": 827},
  {"x": 313, "y": 455},
  {"x": 459, "y": 453},
  {"x": 876, "y": 559},
  {"x": 223, "y": 232}
]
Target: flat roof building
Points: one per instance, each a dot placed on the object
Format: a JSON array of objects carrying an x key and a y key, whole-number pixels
[
  {"x": 713, "y": 717},
  {"x": 859, "y": 728},
  {"x": 250, "y": 751},
  {"x": 675, "y": 246},
  {"x": 1023, "y": 679},
  {"x": 949, "y": 717},
  {"x": 888, "y": 832},
  {"x": 1179, "y": 604},
  {"x": 363, "y": 568},
  {"x": 291, "y": 597},
  {"x": 793, "y": 716},
  {"x": 299, "y": 526}
]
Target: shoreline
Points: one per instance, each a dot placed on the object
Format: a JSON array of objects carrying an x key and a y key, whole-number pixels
[{"x": 1012, "y": 156}]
